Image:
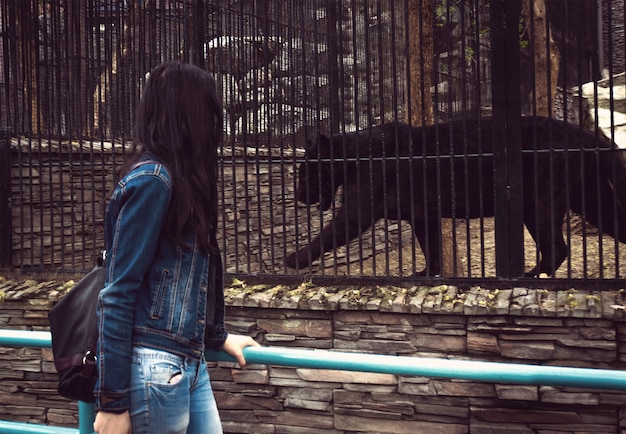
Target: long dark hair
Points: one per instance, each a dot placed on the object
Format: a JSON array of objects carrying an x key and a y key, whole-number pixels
[{"x": 180, "y": 122}]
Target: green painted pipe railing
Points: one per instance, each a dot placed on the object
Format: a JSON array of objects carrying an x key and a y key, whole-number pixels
[
  {"x": 42, "y": 339},
  {"x": 489, "y": 372},
  {"x": 322, "y": 359}
]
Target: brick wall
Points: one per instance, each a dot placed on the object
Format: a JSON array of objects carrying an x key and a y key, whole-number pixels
[{"x": 565, "y": 328}]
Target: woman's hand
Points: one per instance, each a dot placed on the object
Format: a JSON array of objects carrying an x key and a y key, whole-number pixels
[
  {"x": 235, "y": 344},
  {"x": 112, "y": 423}
]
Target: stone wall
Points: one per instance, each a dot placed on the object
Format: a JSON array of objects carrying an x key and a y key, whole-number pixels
[
  {"x": 27, "y": 375},
  {"x": 59, "y": 193},
  {"x": 565, "y": 328}
]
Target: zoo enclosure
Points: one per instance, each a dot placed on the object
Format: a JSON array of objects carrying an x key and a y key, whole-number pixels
[{"x": 72, "y": 74}]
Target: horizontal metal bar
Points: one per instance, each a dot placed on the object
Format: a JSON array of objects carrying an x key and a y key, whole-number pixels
[
  {"x": 422, "y": 156},
  {"x": 7, "y": 427},
  {"x": 495, "y": 372},
  {"x": 42, "y": 339},
  {"x": 25, "y": 338}
]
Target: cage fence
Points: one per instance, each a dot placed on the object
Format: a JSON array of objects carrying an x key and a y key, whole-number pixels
[{"x": 309, "y": 87}]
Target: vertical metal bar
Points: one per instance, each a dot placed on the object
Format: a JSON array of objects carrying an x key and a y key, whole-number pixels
[
  {"x": 306, "y": 59},
  {"x": 370, "y": 116},
  {"x": 86, "y": 417},
  {"x": 262, "y": 30},
  {"x": 328, "y": 35},
  {"x": 334, "y": 83},
  {"x": 407, "y": 115},
  {"x": 357, "y": 82},
  {"x": 6, "y": 234},
  {"x": 395, "y": 104},
  {"x": 506, "y": 103},
  {"x": 382, "y": 75}
]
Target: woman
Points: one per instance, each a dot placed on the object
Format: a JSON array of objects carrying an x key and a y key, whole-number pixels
[{"x": 163, "y": 298}]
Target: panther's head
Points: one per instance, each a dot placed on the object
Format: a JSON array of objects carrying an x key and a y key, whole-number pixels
[{"x": 315, "y": 174}]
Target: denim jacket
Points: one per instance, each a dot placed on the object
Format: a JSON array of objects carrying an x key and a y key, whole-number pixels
[{"x": 155, "y": 292}]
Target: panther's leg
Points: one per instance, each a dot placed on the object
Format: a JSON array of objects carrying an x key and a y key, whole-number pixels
[
  {"x": 427, "y": 233},
  {"x": 335, "y": 234},
  {"x": 548, "y": 235}
]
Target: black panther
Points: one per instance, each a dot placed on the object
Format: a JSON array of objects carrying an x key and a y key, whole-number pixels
[{"x": 400, "y": 172}]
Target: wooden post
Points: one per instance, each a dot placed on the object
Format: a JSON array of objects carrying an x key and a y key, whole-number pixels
[
  {"x": 420, "y": 113},
  {"x": 546, "y": 55}
]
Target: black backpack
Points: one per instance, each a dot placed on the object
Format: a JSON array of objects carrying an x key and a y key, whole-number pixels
[
  {"x": 74, "y": 329},
  {"x": 73, "y": 325}
]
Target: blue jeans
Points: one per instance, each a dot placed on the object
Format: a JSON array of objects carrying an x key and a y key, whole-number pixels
[{"x": 171, "y": 395}]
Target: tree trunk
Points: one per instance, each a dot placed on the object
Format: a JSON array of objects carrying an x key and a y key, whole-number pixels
[
  {"x": 420, "y": 113},
  {"x": 546, "y": 64},
  {"x": 421, "y": 56}
]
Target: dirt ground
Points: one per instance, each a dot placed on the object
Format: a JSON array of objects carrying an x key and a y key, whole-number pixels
[{"x": 591, "y": 256}]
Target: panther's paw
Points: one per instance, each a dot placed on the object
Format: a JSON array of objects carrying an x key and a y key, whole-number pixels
[
  {"x": 428, "y": 273},
  {"x": 291, "y": 261},
  {"x": 533, "y": 273},
  {"x": 299, "y": 259}
]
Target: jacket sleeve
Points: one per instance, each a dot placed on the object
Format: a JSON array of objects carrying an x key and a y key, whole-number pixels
[
  {"x": 139, "y": 208},
  {"x": 215, "y": 333}
]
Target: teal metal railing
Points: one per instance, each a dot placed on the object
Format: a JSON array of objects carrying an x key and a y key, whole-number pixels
[
  {"x": 322, "y": 359},
  {"x": 23, "y": 338},
  {"x": 489, "y": 372}
]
